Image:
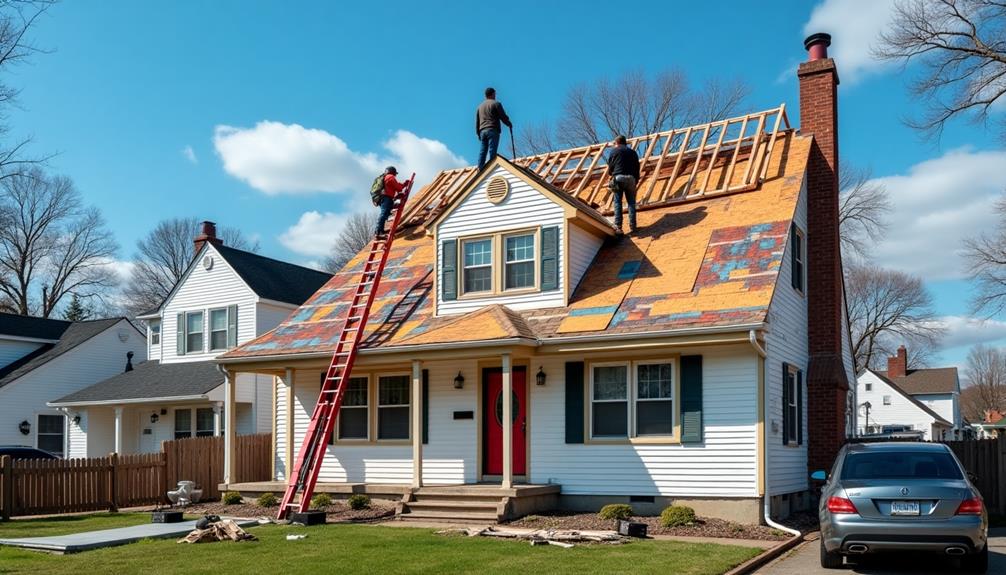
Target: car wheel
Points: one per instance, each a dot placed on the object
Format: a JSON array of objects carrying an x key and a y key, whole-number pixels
[
  {"x": 977, "y": 563},
  {"x": 830, "y": 559}
]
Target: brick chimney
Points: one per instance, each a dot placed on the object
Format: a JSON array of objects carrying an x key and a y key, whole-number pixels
[
  {"x": 897, "y": 366},
  {"x": 207, "y": 234},
  {"x": 827, "y": 382}
]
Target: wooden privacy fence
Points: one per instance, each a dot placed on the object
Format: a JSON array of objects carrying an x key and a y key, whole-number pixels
[
  {"x": 986, "y": 460},
  {"x": 42, "y": 487}
]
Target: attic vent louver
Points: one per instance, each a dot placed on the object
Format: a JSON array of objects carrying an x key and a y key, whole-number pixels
[{"x": 498, "y": 189}]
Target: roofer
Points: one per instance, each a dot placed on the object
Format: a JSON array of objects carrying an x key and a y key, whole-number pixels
[
  {"x": 488, "y": 116},
  {"x": 392, "y": 187},
  {"x": 623, "y": 164}
]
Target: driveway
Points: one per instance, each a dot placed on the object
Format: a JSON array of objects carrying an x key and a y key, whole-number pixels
[{"x": 804, "y": 560}]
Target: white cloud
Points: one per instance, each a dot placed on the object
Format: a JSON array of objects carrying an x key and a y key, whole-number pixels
[
  {"x": 278, "y": 158},
  {"x": 190, "y": 154},
  {"x": 938, "y": 204},
  {"x": 314, "y": 234},
  {"x": 965, "y": 331},
  {"x": 854, "y": 26}
]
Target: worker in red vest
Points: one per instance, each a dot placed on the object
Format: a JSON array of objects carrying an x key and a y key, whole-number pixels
[{"x": 392, "y": 187}]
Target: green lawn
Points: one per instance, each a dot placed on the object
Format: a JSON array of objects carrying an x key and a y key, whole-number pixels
[{"x": 356, "y": 549}]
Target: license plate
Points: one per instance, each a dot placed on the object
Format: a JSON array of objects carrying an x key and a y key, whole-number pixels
[{"x": 904, "y": 508}]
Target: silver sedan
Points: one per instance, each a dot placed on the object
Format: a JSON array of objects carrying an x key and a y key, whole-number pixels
[{"x": 901, "y": 497}]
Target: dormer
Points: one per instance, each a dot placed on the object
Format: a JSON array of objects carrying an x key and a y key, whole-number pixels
[{"x": 510, "y": 238}]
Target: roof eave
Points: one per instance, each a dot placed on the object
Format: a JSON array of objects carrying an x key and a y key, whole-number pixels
[{"x": 98, "y": 402}]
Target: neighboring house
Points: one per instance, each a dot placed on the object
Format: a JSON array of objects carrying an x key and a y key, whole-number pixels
[
  {"x": 885, "y": 408},
  {"x": 937, "y": 388},
  {"x": 45, "y": 358},
  {"x": 991, "y": 427},
  {"x": 673, "y": 364},
  {"x": 226, "y": 297}
]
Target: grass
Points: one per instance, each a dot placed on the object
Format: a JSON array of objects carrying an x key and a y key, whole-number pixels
[{"x": 356, "y": 549}]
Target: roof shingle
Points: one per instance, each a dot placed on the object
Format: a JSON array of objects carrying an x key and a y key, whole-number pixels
[
  {"x": 75, "y": 334},
  {"x": 151, "y": 380}
]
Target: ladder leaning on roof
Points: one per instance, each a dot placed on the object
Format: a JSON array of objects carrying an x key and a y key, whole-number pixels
[{"x": 312, "y": 450}]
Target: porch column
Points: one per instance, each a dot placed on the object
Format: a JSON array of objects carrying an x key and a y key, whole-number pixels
[
  {"x": 229, "y": 427},
  {"x": 288, "y": 423},
  {"x": 507, "y": 423},
  {"x": 218, "y": 407},
  {"x": 417, "y": 423},
  {"x": 118, "y": 430}
]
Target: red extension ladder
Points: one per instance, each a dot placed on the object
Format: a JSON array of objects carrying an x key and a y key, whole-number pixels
[{"x": 312, "y": 450}]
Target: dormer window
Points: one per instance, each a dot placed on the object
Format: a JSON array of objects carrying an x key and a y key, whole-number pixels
[
  {"x": 518, "y": 271},
  {"x": 155, "y": 332},
  {"x": 478, "y": 265}
]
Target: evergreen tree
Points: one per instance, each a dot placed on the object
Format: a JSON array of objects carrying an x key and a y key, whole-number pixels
[{"x": 76, "y": 311}]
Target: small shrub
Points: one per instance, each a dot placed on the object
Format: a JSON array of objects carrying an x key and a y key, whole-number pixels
[
  {"x": 615, "y": 511},
  {"x": 321, "y": 501},
  {"x": 677, "y": 515},
  {"x": 267, "y": 500},
  {"x": 358, "y": 501},
  {"x": 232, "y": 498}
]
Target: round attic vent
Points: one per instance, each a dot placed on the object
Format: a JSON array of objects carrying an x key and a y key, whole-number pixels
[
  {"x": 497, "y": 189},
  {"x": 208, "y": 263}
]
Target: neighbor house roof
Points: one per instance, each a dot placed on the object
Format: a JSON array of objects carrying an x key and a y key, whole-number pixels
[
  {"x": 150, "y": 380},
  {"x": 75, "y": 334},
  {"x": 930, "y": 380},
  {"x": 697, "y": 259},
  {"x": 274, "y": 279},
  {"x": 31, "y": 327},
  {"x": 909, "y": 397}
]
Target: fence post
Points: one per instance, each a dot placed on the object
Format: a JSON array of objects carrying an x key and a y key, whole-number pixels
[
  {"x": 113, "y": 467},
  {"x": 1001, "y": 456},
  {"x": 7, "y": 497}
]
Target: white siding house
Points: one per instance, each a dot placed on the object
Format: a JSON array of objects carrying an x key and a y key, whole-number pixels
[{"x": 892, "y": 409}]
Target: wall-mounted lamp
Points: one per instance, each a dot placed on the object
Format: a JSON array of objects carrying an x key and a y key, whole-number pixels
[
  {"x": 24, "y": 427},
  {"x": 76, "y": 419},
  {"x": 459, "y": 381},
  {"x": 539, "y": 378},
  {"x": 154, "y": 417}
]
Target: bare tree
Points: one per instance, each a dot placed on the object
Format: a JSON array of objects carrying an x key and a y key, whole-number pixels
[
  {"x": 162, "y": 257},
  {"x": 633, "y": 105},
  {"x": 887, "y": 308},
  {"x": 863, "y": 208},
  {"x": 51, "y": 245},
  {"x": 986, "y": 382},
  {"x": 356, "y": 234},
  {"x": 960, "y": 46},
  {"x": 985, "y": 255}
]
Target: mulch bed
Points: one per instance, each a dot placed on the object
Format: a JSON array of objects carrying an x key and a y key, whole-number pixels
[
  {"x": 338, "y": 511},
  {"x": 703, "y": 527}
]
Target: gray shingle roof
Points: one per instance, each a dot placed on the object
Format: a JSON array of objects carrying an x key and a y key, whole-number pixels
[
  {"x": 33, "y": 327},
  {"x": 273, "y": 279},
  {"x": 151, "y": 380},
  {"x": 929, "y": 380},
  {"x": 75, "y": 334}
]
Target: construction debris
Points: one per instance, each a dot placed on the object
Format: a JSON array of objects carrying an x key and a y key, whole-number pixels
[
  {"x": 218, "y": 531},
  {"x": 559, "y": 538}
]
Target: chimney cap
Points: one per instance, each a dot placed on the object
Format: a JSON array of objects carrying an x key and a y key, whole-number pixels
[{"x": 819, "y": 38}]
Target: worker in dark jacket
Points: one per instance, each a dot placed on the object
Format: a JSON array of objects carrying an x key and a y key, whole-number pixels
[
  {"x": 623, "y": 165},
  {"x": 488, "y": 116},
  {"x": 392, "y": 187}
]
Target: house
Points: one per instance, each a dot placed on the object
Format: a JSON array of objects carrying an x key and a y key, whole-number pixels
[
  {"x": 992, "y": 425},
  {"x": 679, "y": 363},
  {"x": 44, "y": 358},
  {"x": 225, "y": 298},
  {"x": 937, "y": 389}
]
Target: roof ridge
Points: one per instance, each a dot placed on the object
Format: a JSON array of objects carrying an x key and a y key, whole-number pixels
[
  {"x": 909, "y": 397},
  {"x": 260, "y": 256}
]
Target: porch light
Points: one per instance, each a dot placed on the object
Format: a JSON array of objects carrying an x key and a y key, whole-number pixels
[
  {"x": 24, "y": 427},
  {"x": 154, "y": 417},
  {"x": 539, "y": 378},
  {"x": 76, "y": 419},
  {"x": 459, "y": 381}
]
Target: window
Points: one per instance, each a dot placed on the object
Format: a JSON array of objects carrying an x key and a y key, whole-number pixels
[
  {"x": 793, "y": 406},
  {"x": 655, "y": 399},
  {"x": 50, "y": 433},
  {"x": 869, "y": 386},
  {"x": 194, "y": 332},
  {"x": 155, "y": 332},
  {"x": 218, "y": 329},
  {"x": 887, "y": 400},
  {"x": 609, "y": 401},
  {"x": 392, "y": 407},
  {"x": 518, "y": 271},
  {"x": 797, "y": 256},
  {"x": 355, "y": 410},
  {"x": 183, "y": 423},
  {"x": 632, "y": 399},
  {"x": 478, "y": 265},
  {"x": 204, "y": 422}
]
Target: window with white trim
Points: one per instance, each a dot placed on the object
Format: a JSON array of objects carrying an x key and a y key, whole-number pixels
[
  {"x": 632, "y": 399},
  {"x": 799, "y": 257},
  {"x": 519, "y": 261},
  {"x": 393, "y": 403},
  {"x": 354, "y": 415},
  {"x": 194, "y": 332},
  {"x": 51, "y": 433},
  {"x": 868, "y": 386},
  {"x": 793, "y": 405},
  {"x": 218, "y": 329},
  {"x": 183, "y": 423},
  {"x": 204, "y": 422},
  {"x": 477, "y": 265},
  {"x": 887, "y": 400},
  {"x": 155, "y": 332}
]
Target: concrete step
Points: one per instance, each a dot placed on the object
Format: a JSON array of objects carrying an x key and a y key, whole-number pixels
[
  {"x": 448, "y": 516},
  {"x": 454, "y": 505},
  {"x": 460, "y": 498}
]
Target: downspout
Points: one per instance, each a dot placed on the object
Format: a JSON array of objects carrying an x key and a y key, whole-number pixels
[{"x": 766, "y": 501}]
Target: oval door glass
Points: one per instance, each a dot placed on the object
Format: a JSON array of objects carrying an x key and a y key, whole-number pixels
[{"x": 499, "y": 407}]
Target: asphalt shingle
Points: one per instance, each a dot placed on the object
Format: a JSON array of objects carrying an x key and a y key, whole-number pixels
[{"x": 151, "y": 380}]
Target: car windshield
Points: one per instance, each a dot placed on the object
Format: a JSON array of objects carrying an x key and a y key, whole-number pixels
[{"x": 900, "y": 465}]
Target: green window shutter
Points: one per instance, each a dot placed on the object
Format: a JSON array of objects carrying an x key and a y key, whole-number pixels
[
  {"x": 574, "y": 401},
  {"x": 426, "y": 406},
  {"x": 794, "y": 276},
  {"x": 691, "y": 399},
  {"x": 180, "y": 334},
  {"x": 449, "y": 270},
  {"x": 232, "y": 326},
  {"x": 799, "y": 407},
  {"x": 785, "y": 403},
  {"x": 550, "y": 258}
]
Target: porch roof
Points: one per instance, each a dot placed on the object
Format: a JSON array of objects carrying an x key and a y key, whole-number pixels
[{"x": 149, "y": 381}]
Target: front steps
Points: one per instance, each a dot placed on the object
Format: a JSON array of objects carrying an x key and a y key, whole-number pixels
[{"x": 475, "y": 503}]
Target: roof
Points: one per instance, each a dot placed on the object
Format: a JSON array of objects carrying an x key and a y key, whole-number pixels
[
  {"x": 695, "y": 261},
  {"x": 75, "y": 334},
  {"x": 150, "y": 380},
  {"x": 930, "y": 380},
  {"x": 273, "y": 279},
  {"x": 908, "y": 396},
  {"x": 31, "y": 327}
]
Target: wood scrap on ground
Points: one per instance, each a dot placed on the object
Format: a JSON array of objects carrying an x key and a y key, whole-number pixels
[
  {"x": 219, "y": 531},
  {"x": 557, "y": 537}
]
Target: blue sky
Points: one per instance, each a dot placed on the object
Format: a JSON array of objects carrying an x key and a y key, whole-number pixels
[{"x": 168, "y": 109}]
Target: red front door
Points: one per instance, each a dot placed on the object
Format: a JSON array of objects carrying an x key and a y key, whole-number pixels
[{"x": 492, "y": 421}]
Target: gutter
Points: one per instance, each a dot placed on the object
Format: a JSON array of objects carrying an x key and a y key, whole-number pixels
[{"x": 127, "y": 401}]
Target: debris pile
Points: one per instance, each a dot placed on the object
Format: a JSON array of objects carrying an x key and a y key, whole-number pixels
[
  {"x": 557, "y": 537},
  {"x": 218, "y": 531}
]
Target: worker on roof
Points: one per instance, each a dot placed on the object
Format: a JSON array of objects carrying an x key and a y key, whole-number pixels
[
  {"x": 488, "y": 116},
  {"x": 623, "y": 165},
  {"x": 392, "y": 187}
]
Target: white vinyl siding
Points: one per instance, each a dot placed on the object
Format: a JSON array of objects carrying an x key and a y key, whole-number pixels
[
  {"x": 279, "y": 440},
  {"x": 13, "y": 350},
  {"x": 583, "y": 247},
  {"x": 900, "y": 410},
  {"x": 476, "y": 216}
]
